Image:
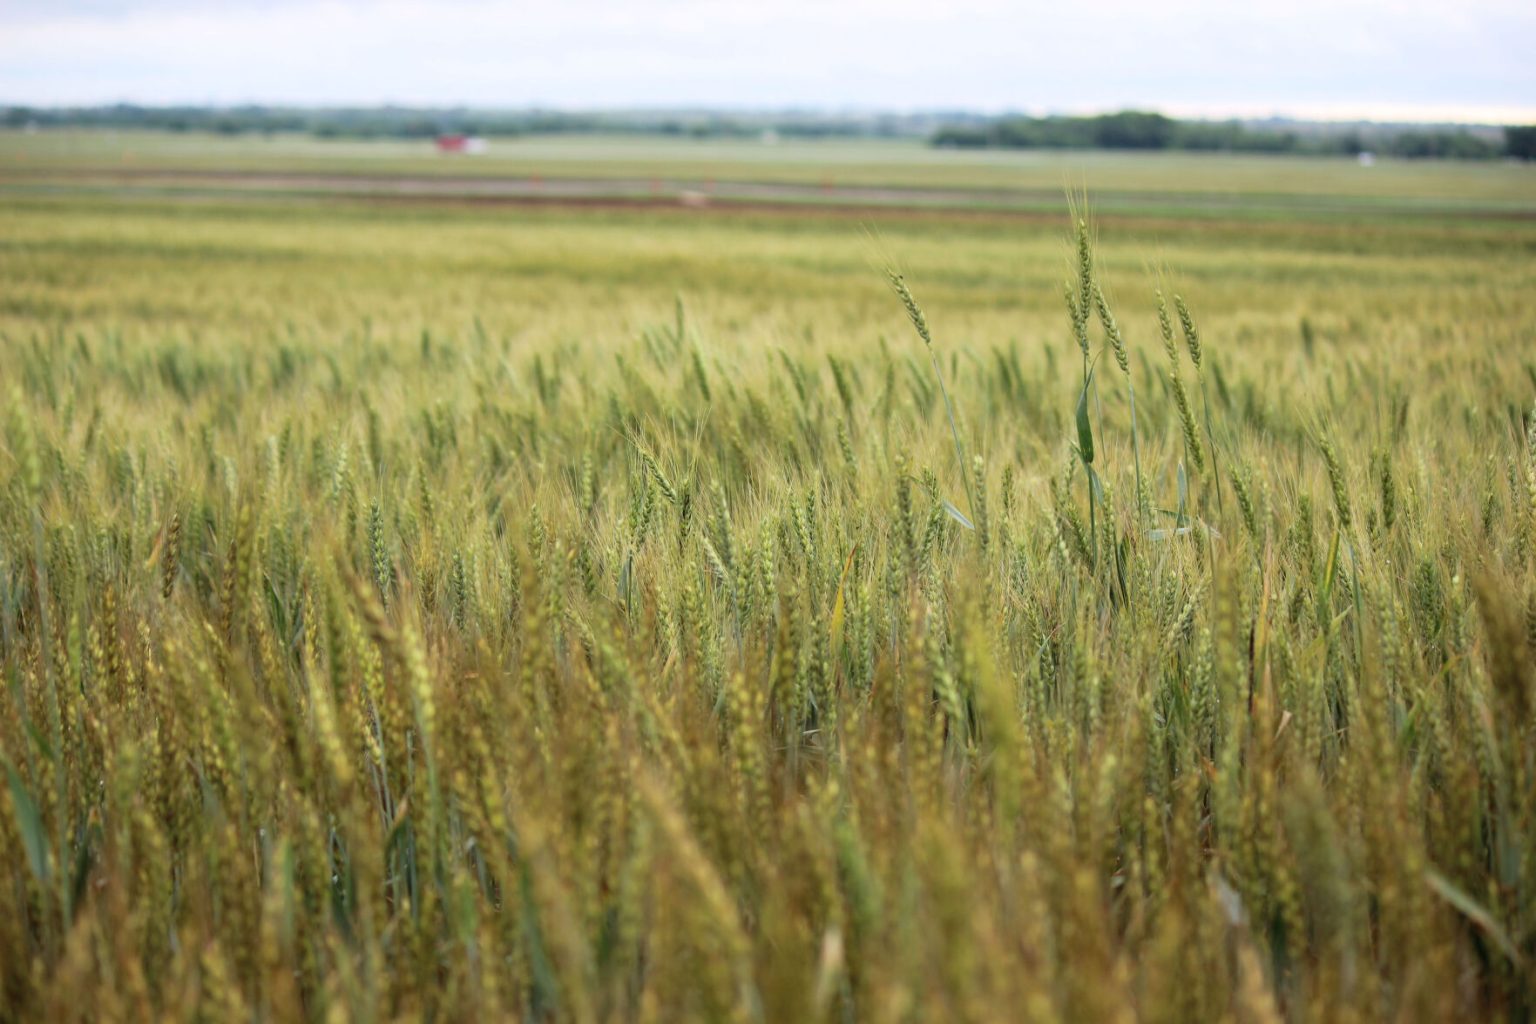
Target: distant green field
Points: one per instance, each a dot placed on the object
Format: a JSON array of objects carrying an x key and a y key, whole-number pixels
[
  {"x": 1179, "y": 182},
  {"x": 1329, "y": 236}
]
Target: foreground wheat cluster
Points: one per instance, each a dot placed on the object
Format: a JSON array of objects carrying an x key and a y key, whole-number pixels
[{"x": 449, "y": 681}]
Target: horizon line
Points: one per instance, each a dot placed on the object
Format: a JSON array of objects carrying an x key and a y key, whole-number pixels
[{"x": 1466, "y": 115}]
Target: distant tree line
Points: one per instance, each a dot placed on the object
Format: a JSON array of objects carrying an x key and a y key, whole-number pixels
[
  {"x": 1521, "y": 142},
  {"x": 1141, "y": 130},
  {"x": 417, "y": 123}
]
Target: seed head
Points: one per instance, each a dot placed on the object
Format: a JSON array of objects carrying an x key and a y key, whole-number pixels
[
  {"x": 1191, "y": 335},
  {"x": 914, "y": 312}
]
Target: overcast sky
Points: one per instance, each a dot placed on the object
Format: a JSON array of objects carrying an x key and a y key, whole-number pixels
[{"x": 1403, "y": 59}]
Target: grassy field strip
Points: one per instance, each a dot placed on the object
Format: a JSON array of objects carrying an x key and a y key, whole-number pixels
[
  {"x": 701, "y": 193},
  {"x": 871, "y": 163}
]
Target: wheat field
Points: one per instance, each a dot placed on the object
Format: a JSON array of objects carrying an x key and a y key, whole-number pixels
[{"x": 433, "y": 612}]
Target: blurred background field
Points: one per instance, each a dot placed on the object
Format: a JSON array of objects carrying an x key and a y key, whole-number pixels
[
  {"x": 549, "y": 237},
  {"x": 994, "y": 176}
]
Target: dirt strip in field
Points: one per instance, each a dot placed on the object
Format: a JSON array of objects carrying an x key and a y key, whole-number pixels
[{"x": 733, "y": 194}]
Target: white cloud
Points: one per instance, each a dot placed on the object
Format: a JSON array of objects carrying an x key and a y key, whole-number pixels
[{"x": 1190, "y": 55}]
